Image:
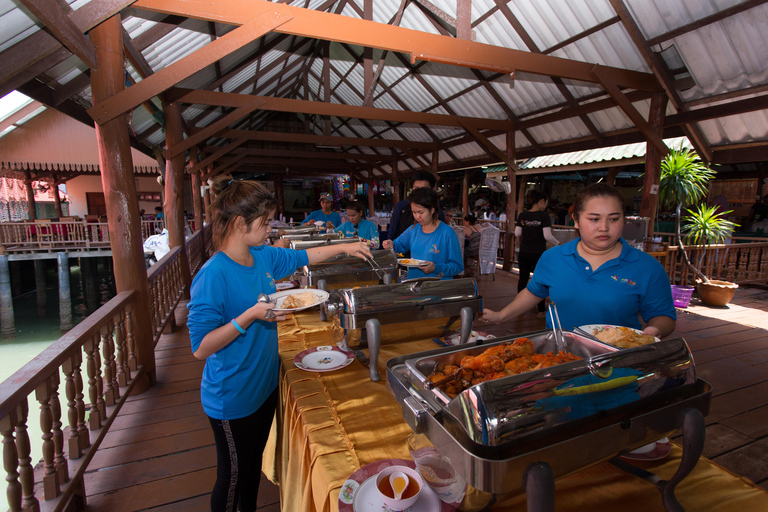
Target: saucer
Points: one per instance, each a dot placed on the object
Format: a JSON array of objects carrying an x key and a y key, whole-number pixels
[
  {"x": 661, "y": 450},
  {"x": 359, "y": 494}
]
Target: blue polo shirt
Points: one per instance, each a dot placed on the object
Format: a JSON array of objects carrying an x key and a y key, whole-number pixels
[
  {"x": 318, "y": 215},
  {"x": 613, "y": 294},
  {"x": 365, "y": 229}
]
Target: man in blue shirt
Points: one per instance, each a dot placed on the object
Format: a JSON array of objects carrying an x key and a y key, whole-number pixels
[{"x": 325, "y": 213}]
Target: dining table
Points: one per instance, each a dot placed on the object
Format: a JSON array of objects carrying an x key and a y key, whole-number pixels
[{"x": 330, "y": 424}]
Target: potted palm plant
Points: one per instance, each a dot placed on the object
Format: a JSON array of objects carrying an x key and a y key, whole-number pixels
[
  {"x": 684, "y": 180},
  {"x": 706, "y": 226}
]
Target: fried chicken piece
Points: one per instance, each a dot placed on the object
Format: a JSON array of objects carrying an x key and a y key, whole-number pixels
[{"x": 483, "y": 363}]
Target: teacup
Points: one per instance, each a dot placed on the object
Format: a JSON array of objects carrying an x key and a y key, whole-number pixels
[{"x": 409, "y": 496}]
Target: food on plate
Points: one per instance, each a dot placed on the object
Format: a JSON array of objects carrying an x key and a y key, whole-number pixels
[
  {"x": 405, "y": 262},
  {"x": 495, "y": 362},
  {"x": 299, "y": 300},
  {"x": 623, "y": 337},
  {"x": 400, "y": 255}
]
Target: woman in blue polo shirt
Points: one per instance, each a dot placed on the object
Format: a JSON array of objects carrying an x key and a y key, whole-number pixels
[
  {"x": 429, "y": 239},
  {"x": 359, "y": 226},
  {"x": 598, "y": 278}
]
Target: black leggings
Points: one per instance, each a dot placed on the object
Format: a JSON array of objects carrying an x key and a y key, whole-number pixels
[
  {"x": 239, "y": 447},
  {"x": 527, "y": 262}
]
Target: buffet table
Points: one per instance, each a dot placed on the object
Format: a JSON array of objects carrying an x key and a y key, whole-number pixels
[{"x": 328, "y": 425}]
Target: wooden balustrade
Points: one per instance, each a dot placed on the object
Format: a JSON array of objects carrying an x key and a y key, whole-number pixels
[
  {"x": 101, "y": 348},
  {"x": 99, "y": 336},
  {"x": 740, "y": 263},
  {"x": 32, "y": 236}
]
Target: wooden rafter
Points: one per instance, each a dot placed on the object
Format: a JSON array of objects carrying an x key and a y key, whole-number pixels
[
  {"x": 122, "y": 102},
  {"x": 419, "y": 45},
  {"x": 485, "y": 142}
]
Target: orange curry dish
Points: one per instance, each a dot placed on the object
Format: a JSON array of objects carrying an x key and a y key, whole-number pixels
[{"x": 498, "y": 361}]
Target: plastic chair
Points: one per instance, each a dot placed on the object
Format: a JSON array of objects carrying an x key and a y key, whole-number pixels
[{"x": 489, "y": 249}]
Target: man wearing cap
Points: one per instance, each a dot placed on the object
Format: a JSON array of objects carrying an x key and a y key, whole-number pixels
[{"x": 325, "y": 213}]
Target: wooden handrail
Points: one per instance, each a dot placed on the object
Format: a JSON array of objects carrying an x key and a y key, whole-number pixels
[
  {"x": 97, "y": 359},
  {"x": 739, "y": 263}
]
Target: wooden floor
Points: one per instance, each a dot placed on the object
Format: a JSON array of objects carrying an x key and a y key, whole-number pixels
[{"x": 159, "y": 453}]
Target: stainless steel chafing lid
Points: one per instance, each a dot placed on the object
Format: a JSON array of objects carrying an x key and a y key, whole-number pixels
[
  {"x": 306, "y": 244},
  {"x": 499, "y": 411},
  {"x": 313, "y": 236},
  {"x": 343, "y": 263},
  {"x": 404, "y": 295},
  {"x": 298, "y": 230}
]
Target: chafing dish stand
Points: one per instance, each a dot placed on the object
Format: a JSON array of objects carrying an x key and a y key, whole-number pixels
[
  {"x": 524, "y": 431},
  {"x": 422, "y": 299}
]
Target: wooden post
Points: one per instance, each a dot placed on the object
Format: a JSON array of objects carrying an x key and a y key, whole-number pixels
[
  {"x": 207, "y": 200},
  {"x": 197, "y": 200},
  {"x": 653, "y": 156},
  {"x": 7, "y": 323},
  {"x": 370, "y": 198},
  {"x": 65, "y": 293},
  {"x": 465, "y": 194},
  {"x": 31, "y": 210},
  {"x": 173, "y": 212},
  {"x": 120, "y": 193},
  {"x": 280, "y": 196},
  {"x": 509, "y": 234},
  {"x": 57, "y": 199},
  {"x": 395, "y": 183},
  {"x": 41, "y": 292}
]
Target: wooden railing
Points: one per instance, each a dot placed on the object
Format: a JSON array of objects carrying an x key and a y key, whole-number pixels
[
  {"x": 105, "y": 342},
  {"x": 43, "y": 235},
  {"x": 741, "y": 263}
]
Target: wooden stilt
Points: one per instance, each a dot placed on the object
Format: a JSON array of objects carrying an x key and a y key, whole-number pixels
[
  {"x": 40, "y": 289},
  {"x": 65, "y": 292},
  {"x": 120, "y": 193},
  {"x": 509, "y": 234},
  {"x": 7, "y": 323}
]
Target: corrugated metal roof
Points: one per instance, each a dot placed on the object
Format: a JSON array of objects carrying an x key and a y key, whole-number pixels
[{"x": 727, "y": 55}]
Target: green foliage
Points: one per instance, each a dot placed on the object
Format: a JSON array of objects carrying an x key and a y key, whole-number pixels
[
  {"x": 706, "y": 226},
  {"x": 684, "y": 178}
]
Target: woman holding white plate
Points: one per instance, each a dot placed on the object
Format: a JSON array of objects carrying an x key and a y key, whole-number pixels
[
  {"x": 429, "y": 240},
  {"x": 237, "y": 336},
  {"x": 598, "y": 278}
]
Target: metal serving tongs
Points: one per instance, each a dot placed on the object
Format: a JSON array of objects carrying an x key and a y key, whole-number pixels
[
  {"x": 557, "y": 329},
  {"x": 376, "y": 267}
]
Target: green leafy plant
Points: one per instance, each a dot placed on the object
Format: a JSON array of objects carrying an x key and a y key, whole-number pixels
[
  {"x": 707, "y": 226},
  {"x": 684, "y": 179}
]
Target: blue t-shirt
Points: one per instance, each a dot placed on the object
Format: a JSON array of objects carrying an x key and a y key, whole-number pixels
[
  {"x": 613, "y": 294},
  {"x": 238, "y": 378},
  {"x": 318, "y": 215},
  {"x": 441, "y": 247},
  {"x": 365, "y": 229}
]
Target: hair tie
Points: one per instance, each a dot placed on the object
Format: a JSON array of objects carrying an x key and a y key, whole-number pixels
[{"x": 230, "y": 182}]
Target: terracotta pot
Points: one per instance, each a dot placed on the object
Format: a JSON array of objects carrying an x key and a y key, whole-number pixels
[{"x": 716, "y": 293}]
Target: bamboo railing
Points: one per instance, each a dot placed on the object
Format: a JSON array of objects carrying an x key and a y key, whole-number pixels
[{"x": 97, "y": 360}]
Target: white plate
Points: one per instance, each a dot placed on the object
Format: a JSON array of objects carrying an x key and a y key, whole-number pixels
[
  {"x": 410, "y": 262},
  {"x": 279, "y": 297},
  {"x": 323, "y": 359},
  {"x": 593, "y": 329}
]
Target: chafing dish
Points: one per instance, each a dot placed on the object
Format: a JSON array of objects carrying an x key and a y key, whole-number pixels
[
  {"x": 313, "y": 236},
  {"x": 411, "y": 301},
  {"x": 524, "y": 431},
  {"x": 299, "y": 244},
  {"x": 302, "y": 230},
  {"x": 343, "y": 270}
]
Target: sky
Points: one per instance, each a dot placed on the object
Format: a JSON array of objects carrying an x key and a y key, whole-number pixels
[{"x": 12, "y": 102}]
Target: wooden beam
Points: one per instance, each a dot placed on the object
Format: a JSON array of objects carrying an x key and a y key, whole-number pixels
[
  {"x": 215, "y": 127},
  {"x": 120, "y": 103},
  {"x": 57, "y": 20},
  {"x": 626, "y": 106},
  {"x": 490, "y": 145},
  {"x": 308, "y": 138},
  {"x": 727, "y": 109},
  {"x": 19, "y": 115},
  {"x": 224, "y": 99},
  {"x": 419, "y": 45},
  {"x": 41, "y": 44},
  {"x": 218, "y": 154},
  {"x": 707, "y": 20}
]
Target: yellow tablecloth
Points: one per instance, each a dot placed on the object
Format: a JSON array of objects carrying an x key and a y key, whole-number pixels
[{"x": 328, "y": 425}]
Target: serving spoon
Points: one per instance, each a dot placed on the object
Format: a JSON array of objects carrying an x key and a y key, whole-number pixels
[{"x": 399, "y": 482}]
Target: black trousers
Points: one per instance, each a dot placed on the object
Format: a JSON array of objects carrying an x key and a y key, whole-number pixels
[
  {"x": 527, "y": 262},
  {"x": 239, "y": 447}
]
